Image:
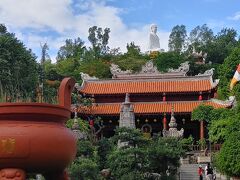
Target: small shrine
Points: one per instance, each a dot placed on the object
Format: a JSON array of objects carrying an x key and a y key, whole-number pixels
[{"x": 173, "y": 132}]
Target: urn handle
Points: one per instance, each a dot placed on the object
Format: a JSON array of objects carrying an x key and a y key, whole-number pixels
[{"x": 65, "y": 91}]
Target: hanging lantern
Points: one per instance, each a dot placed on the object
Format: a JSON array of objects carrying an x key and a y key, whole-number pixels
[
  {"x": 110, "y": 121},
  {"x": 146, "y": 120},
  {"x": 155, "y": 120}
]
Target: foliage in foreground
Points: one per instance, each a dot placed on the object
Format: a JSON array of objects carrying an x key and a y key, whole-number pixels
[
  {"x": 18, "y": 68},
  {"x": 137, "y": 157},
  {"x": 142, "y": 156},
  {"x": 228, "y": 158}
]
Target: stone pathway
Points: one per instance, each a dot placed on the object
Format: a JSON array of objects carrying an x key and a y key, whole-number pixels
[{"x": 189, "y": 172}]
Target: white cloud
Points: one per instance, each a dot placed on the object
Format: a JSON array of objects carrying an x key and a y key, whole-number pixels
[
  {"x": 37, "y": 14},
  {"x": 236, "y": 16},
  {"x": 70, "y": 21}
]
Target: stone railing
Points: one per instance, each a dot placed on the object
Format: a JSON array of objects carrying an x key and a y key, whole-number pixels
[{"x": 199, "y": 148}]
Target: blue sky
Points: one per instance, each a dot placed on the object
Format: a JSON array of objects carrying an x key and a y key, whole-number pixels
[{"x": 52, "y": 21}]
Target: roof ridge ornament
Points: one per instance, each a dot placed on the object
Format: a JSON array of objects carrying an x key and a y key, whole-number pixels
[
  {"x": 85, "y": 77},
  {"x": 116, "y": 70},
  {"x": 184, "y": 67},
  {"x": 208, "y": 72},
  {"x": 149, "y": 68},
  {"x": 230, "y": 101}
]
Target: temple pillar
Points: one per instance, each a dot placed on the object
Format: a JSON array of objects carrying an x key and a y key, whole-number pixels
[
  {"x": 201, "y": 130},
  {"x": 165, "y": 122},
  {"x": 164, "y": 97},
  {"x": 12, "y": 173},
  {"x": 200, "y": 96}
]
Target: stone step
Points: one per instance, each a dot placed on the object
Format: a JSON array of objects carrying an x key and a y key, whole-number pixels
[{"x": 189, "y": 171}]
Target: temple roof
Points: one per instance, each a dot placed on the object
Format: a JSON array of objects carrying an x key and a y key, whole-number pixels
[
  {"x": 152, "y": 107},
  {"x": 149, "y": 80},
  {"x": 183, "y": 84}
]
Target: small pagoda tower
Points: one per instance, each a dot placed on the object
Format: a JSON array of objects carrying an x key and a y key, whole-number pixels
[
  {"x": 127, "y": 117},
  {"x": 76, "y": 129},
  {"x": 173, "y": 132}
]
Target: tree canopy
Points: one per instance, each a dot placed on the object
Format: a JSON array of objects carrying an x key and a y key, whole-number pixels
[
  {"x": 19, "y": 69},
  {"x": 177, "y": 38}
]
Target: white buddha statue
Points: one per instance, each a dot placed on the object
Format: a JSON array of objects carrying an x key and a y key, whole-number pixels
[{"x": 154, "y": 44}]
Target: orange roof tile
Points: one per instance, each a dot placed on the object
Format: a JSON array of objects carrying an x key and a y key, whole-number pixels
[
  {"x": 150, "y": 108},
  {"x": 122, "y": 87}
]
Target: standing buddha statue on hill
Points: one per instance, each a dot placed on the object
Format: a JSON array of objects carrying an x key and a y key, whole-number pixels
[{"x": 154, "y": 44}]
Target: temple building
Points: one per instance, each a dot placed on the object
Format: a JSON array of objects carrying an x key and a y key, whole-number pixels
[{"x": 153, "y": 96}]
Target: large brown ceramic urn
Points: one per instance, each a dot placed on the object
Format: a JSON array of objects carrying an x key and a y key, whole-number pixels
[{"x": 33, "y": 137}]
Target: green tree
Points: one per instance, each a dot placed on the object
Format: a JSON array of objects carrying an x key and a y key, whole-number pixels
[
  {"x": 132, "y": 59},
  {"x": 168, "y": 60},
  {"x": 177, "y": 38},
  {"x": 228, "y": 160},
  {"x": 99, "y": 40},
  {"x": 68, "y": 68},
  {"x": 222, "y": 45},
  {"x": 18, "y": 73},
  {"x": 141, "y": 156},
  {"x": 200, "y": 36},
  {"x": 195, "y": 68},
  {"x": 84, "y": 168},
  {"x": 133, "y": 50},
  {"x": 99, "y": 69},
  {"x": 222, "y": 123},
  {"x": 167, "y": 151},
  {"x": 202, "y": 113},
  {"x": 226, "y": 72},
  {"x": 129, "y": 158},
  {"x": 51, "y": 72},
  {"x": 104, "y": 147},
  {"x": 73, "y": 49},
  {"x": 45, "y": 55},
  {"x": 218, "y": 130}
]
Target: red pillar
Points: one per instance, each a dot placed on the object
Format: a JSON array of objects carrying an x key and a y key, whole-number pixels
[
  {"x": 202, "y": 121},
  {"x": 165, "y": 122},
  {"x": 200, "y": 96},
  {"x": 164, "y": 97}
]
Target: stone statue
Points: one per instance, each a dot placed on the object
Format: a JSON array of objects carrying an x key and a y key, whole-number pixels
[{"x": 154, "y": 44}]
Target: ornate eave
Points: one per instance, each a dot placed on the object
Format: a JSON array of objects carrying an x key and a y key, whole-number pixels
[
  {"x": 149, "y": 71},
  {"x": 153, "y": 107},
  {"x": 148, "y": 80}
]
